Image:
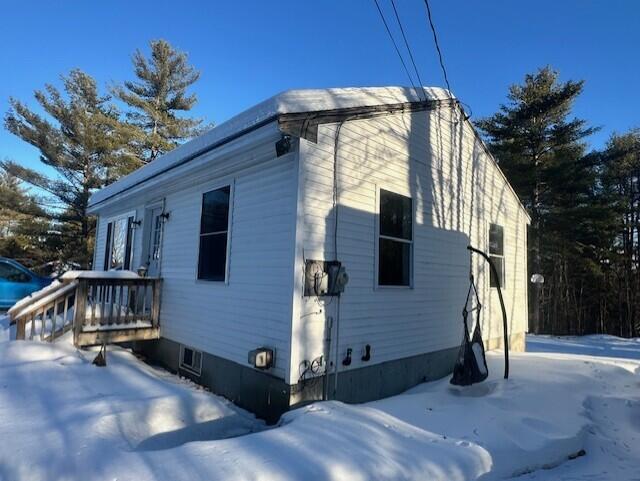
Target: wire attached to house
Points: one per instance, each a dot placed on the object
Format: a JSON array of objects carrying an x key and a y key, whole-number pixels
[
  {"x": 395, "y": 45},
  {"x": 336, "y": 145},
  {"x": 406, "y": 43},
  {"x": 437, "y": 44}
]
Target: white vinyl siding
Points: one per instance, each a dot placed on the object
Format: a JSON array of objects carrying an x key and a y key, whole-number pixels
[
  {"x": 456, "y": 191},
  {"x": 253, "y": 308}
]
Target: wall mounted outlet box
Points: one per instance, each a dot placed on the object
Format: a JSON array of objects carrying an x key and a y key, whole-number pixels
[{"x": 261, "y": 358}]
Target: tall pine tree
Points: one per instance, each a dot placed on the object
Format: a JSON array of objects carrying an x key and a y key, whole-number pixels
[
  {"x": 82, "y": 139},
  {"x": 621, "y": 184},
  {"x": 540, "y": 149},
  {"x": 24, "y": 226},
  {"x": 157, "y": 98}
]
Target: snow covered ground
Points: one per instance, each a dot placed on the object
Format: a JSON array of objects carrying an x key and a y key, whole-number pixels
[{"x": 61, "y": 418}]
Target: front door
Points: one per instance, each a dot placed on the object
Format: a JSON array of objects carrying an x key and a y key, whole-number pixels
[{"x": 154, "y": 241}]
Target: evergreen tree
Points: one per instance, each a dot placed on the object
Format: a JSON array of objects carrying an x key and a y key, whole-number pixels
[
  {"x": 621, "y": 183},
  {"x": 541, "y": 151},
  {"x": 83, "y": 140},
  {"x": 24, "y": 226},
  {"x": 157, "y": 97}
]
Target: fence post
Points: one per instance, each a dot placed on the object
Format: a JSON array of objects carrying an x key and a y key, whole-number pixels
[
  {"x": 21, "y": 323},
  {"x": 79, "y": 314},
  {"x": 155, "y": 306}
]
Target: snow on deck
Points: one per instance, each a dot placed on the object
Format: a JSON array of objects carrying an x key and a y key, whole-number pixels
[
  {"x": 290, "y": 101},
  {"x": 67, "y": 419}
]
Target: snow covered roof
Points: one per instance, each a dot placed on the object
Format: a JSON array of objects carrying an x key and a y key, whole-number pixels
[{"x": 288, "y": 102}]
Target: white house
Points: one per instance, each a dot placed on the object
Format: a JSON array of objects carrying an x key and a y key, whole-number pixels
[{"x": 244, "y": 223}]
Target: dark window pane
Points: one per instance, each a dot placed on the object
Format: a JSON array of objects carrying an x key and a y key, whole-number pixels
[
  {"x": 213, "y": 257},
  {"x": 215, "y": 211},
  {"x": 394, "y": 263},
  {"x": 498, "y": 262},
  {"x": 396, "y": 215},
  {"x": 496, "y": 239},
  {"x": 187, "y": 357}
]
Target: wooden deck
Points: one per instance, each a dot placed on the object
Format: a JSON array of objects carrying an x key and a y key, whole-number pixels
[{"x": 99, "y": 310}]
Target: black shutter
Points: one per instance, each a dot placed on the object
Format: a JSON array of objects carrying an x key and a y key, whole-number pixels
[
  {"x": 127, "y": 251},
  {"x": 107, "y": 248}
]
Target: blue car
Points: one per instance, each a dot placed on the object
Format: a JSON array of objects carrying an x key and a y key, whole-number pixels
[{"x": 16, "y": 282}]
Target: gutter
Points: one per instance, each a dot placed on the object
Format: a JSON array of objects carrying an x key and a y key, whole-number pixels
[{"x": 302, "y": 124}]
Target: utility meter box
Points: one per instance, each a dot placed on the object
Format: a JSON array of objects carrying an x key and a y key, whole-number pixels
[
  {"x": 324, "y": 278},
  {"x": 261, "y": 358}
]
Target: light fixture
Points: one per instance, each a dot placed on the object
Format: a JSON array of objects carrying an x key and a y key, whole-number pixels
[{"x": 283, "y": 146}]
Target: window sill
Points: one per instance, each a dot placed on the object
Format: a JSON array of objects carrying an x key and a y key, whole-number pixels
[
  {"x": 212, "y": 282},
  {"x": 393, "y": 287}
]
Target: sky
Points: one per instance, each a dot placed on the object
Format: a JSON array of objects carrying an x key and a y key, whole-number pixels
[{"x": 249, "y": 50}]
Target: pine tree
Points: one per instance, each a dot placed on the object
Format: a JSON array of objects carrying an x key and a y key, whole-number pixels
[
  {"x": 83, "y": 140},
  {"x": 24, "y": 225},
  {"x": 541, "y": 149},
  {"x": 157, "y": 97},
  {"x": 621, "y": 182}
]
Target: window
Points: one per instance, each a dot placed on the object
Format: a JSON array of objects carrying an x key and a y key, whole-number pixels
[
  {"x": 496, "y": 253},
  {"x": 191, "y": 360},
  {"x": 156, "y": 234},
  {"x": 11, "y": 273},
  {"x": 214, "y": 230},
  {"x": 117, "y": 255},
  {"x": 395, "y": 239}
]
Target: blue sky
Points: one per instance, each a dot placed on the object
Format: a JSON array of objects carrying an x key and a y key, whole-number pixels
[{"x": 250, "y": 50}]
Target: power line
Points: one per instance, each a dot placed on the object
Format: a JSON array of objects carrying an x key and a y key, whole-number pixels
[
  {"x": 406, "y": 43},
  {"x": 395, "y": 45},
  {"x": 435, "y": 40}
]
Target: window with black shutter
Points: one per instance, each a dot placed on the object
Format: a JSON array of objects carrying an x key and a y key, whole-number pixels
[{"x": 119, "y": 244}]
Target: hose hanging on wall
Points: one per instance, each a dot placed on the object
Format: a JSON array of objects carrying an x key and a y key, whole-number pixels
[
  {"x": 471, "y": 364},
  {"x": 504, "y": 310}
]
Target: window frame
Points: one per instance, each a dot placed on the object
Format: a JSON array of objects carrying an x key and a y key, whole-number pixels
[
  {"x": 379, "y": 236},
  {"x": 502, "y": 256},
  {"x": 109, "y": 241},
  {"x": 201, "y": 192},
  {"x": 195, "y": 370}
]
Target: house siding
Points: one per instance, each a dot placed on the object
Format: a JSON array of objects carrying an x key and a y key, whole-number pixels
[
  {"x": 457, "y": 191},
  {"x": 253, "y": 307}
]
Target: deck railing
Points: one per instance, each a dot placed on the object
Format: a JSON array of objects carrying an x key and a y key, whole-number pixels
[
  {"x": 48, "y": 317},
  {"x": 98, "y": 309}
]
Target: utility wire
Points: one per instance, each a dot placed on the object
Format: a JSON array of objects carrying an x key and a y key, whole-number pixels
[
  {"x": 395, "y": 45},
  {"x": 435, "y": 40},
  {"x": 406, "y": 43}
]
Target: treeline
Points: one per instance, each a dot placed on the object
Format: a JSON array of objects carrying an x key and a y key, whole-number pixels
[
  {"x": 584, "y": 208},
  {"x": 584, "y": 205},
  {"x": 87, "y": 139}
]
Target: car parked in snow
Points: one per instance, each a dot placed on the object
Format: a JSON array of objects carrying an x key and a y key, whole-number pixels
[{"x": 16, "y": 282}]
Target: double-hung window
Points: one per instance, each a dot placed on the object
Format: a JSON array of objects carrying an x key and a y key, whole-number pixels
[
  {"x": 118, "y": 246},
  {"x": 214, "y": 234},
  {"x": 496, "y": 253},
  {"x": 395, "y": 239}
]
